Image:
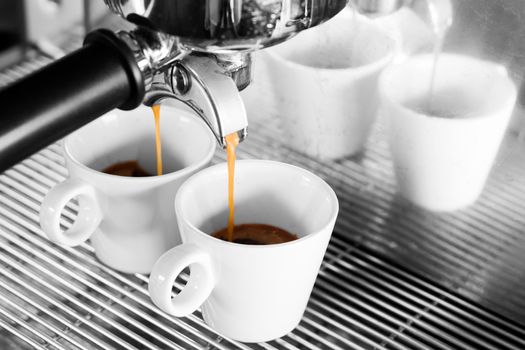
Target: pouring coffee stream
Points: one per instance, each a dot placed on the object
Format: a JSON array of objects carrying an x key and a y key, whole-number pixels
[
  {"x": 437, "y": 13},
  {"x": 158, "y": 143},
  {"x": 441, "y": 15},
  {"x": 232, "y": 141}
]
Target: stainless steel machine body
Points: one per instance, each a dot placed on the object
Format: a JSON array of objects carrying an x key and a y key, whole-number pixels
[{"x": 216, "y": 26}]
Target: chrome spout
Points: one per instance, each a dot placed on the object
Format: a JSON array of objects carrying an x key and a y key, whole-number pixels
[
  {"x": 210, "y": 87},
  {"x": 208, "y": 84}
]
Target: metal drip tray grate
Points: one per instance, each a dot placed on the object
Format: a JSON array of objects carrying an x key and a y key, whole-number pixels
[
  {"x": 394, "y": 276},
  {"x": 63, "y": 298}
]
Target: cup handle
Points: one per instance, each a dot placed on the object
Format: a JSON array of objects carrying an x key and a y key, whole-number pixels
[
  {"x": 89, "y": 213},
  {"x": 165, "y": 271}
]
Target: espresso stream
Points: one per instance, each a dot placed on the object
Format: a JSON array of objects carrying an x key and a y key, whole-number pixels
[
  {"x": 232, "y": 141},
  {"x": 254, "y": 234},
  {"x": 158, "y": 144},
  {"x": 441, "y": 18},
  {"x": 132, "y": 168}
]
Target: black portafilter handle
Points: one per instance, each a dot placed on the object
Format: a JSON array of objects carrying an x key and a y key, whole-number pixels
[{"x": 67, "y": 94}]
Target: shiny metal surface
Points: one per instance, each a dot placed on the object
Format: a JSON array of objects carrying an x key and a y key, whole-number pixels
[
  {"x": 219, "y": 26},
  {"x": 207, "y": 86},
  {"x": 207, "y": 83},
  {"x": 152, "y": 51}
]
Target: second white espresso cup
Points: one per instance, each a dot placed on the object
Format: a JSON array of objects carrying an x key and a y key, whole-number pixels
[
  {"x": 325, "y": 84},
  {"x": 251, "y": 293},
  {"x": 129, "y": 220},
  {"x": 444, "y": 141}
]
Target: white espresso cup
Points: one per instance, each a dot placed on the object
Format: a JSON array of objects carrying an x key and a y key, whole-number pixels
[
  {"x": 443, "y": 150},
  {"x": 129, "y": 220},
  {"x": 325, "y": 84},
  {"x": 251, "y": 293}
]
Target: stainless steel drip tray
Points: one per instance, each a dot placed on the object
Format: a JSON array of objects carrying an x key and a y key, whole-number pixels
[
  {"x": 55, "y": 297},
  {"x": 394, "y": 276}
]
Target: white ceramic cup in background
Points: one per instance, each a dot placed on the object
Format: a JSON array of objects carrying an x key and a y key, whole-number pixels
[
  {"x": 325, "y": 84},
  {"x": 442, "y": 156},
  {"x": 129, "y": 220},
  {"x": 250, "y": 293}
]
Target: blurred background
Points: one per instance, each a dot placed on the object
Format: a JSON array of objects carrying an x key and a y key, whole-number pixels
[{"x": 43, "y": 25}]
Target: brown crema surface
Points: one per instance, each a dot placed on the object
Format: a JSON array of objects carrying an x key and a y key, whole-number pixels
[{"x": 256, "y": 234}]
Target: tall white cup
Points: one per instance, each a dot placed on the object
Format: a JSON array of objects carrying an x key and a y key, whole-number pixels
[
  {"x": 129, "y": 220},
  {"x": 251, "y": 293},
  {"x": 325, "y": 84},
  {"x": 443, "y": 153}
]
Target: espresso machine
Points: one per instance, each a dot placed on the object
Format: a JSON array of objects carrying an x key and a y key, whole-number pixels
[{"x": 198, "y": 52}]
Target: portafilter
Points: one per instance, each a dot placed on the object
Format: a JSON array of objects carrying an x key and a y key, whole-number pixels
[{"x": 196, "y": 51}]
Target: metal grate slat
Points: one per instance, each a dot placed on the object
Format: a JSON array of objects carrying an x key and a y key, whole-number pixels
[
  {"x": 37, "y": 281},
  {"x": 65, "y": 310},
  {"x": 69, "y": 327},
  {"x": 448, "y": 311},
  {"x": 466, "y": 309},
  {"x": 74, "y": 290},
  {"x": 117, "y": 289},
  {"x": 28, "y": 316},
  {"x": 93, "y": 287},
  {"x": 17, "y": 333},
  {"x": 446, "y": 320}
]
